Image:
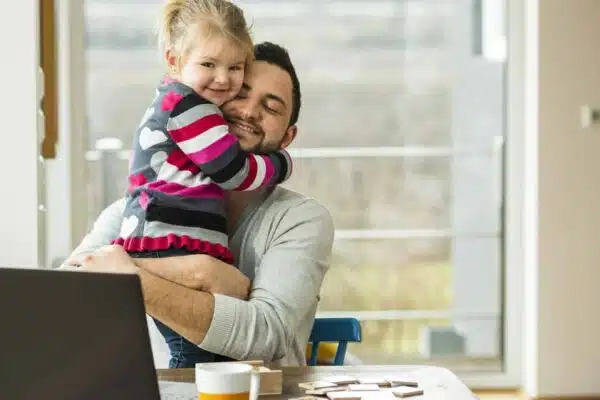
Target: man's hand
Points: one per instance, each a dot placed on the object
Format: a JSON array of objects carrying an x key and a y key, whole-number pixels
[
  {"x": 108, "y": 259},
  {"x": 74, "y": 261}
]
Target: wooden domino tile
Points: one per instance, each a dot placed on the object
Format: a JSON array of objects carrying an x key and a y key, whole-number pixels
[
  {"x": 343, "y": 387},
  {"x": 346, "y": 395},
  {"x": 379, "y": 381},
  {"x": 406, "y": 391},
  {"x": 342, "y": 380},
  {"x": 316, "y": 385},
  {"x": 324, "y": 391},
  {"x": 402, "y": 381},
  {"x": 362, "y": 387}
]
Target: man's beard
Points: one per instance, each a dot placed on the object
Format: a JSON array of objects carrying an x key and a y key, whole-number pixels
[
  {"x": 265, "y": 148},
  {"x": 260, "y": 147}
]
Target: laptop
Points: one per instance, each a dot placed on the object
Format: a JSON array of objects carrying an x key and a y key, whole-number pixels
[{"x": 74, "y": 335}]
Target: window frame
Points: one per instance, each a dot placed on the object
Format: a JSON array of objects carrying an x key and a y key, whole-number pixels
[{"x": 73, "y": 116}]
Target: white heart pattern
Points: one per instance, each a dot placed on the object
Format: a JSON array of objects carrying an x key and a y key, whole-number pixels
[
  {"x": 128, "y": 226},
  {"x": 157, "y": 160},
  {"x": 149, "y": 138},
  {"x": 146, "y": 116}
]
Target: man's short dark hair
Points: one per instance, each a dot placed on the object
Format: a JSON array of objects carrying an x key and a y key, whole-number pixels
[{"x": 274, "y": 54}]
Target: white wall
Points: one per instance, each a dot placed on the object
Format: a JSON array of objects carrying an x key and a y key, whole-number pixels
[
  {"x": 562, "y": 347},
  {"x": 21, "y": 244}
]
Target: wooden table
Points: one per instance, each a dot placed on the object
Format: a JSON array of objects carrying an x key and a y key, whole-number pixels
[{"x": 437, "y": 382}]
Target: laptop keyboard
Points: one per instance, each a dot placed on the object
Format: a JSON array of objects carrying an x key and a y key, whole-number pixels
[
  {"x": 177, "y": 391},
  {"x": 172, "y": 396}
]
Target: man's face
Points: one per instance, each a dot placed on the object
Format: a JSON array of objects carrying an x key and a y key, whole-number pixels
[{"x": 259, "y": 116}]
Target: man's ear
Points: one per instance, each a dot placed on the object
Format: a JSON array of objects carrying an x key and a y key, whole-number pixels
[{"x": 289, "y": 136}]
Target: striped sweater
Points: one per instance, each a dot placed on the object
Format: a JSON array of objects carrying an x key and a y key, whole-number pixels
[{"x": 183, "y": 159}]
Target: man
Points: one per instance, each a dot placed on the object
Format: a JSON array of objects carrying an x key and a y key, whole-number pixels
[{"x": 282, "y": 242}]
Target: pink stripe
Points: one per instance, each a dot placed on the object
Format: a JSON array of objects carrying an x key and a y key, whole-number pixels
[
  {"x": 213, "y": 151},
  {"x": 270, "y": 171},
  {"x": 210, "y": 190},
  {"x": 144, "y": 199},
  {"x": 197, "y": 127},
  {"x": 250, "y": 176},
  {"x": 182, "y": 162},
  {"x": 182, "y": 242}
]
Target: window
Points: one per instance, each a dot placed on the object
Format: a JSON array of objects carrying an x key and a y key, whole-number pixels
[{"x": 403, "y": 107}]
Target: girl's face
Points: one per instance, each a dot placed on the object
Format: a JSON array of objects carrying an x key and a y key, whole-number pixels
[{"x": 214, "y": 68}]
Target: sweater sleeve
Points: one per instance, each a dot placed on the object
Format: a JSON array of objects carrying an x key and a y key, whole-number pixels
[
  {"x": 285, "y": 289},
  {"x": 106, "y": 228},
  {"x": 202, "y": 134}
]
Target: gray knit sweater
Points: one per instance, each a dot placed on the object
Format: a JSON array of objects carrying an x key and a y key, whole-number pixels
[{"x": 283, "y": 244}]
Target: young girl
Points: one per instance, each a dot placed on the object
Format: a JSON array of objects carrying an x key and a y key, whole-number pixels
[{"x": 183, "y": 155}]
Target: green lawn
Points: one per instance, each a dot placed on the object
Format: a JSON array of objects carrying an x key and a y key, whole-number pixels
[{"x": 423, "y": 286}]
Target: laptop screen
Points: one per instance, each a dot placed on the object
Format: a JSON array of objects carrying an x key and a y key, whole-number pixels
[{"x": 73, "y": 335}]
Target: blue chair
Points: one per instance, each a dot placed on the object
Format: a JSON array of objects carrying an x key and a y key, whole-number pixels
[{"x": 341, "y": 330}]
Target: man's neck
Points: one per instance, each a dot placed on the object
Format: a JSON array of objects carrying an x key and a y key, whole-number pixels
[{"x": 236, "y": 203}]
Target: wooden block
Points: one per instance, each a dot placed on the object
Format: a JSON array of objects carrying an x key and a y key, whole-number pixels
[
  {"x": 379, "y": 381},
  {"x": 271, "y": 381},
  {"x": 316, "y": 385},
  {"x": 324, "y": 391},
  {"x": 407, "y": 391},
  {"x": 342, "y": 379},
  {"x": 402, "y": 381},
  {"x": 345, "y": 395},
  {"x": 361, "y": 387}
]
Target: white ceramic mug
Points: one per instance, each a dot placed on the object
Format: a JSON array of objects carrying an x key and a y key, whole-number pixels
[{"x": 227, "y": 381}]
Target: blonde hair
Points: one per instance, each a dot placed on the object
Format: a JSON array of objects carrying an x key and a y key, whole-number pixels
[{"x": 183, "y": 18}]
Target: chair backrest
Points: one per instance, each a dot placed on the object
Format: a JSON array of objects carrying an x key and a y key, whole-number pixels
[{"x": 340, "y": 330}]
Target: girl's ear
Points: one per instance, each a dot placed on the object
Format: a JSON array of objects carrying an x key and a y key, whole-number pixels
[{"x": 171, "y": 60}]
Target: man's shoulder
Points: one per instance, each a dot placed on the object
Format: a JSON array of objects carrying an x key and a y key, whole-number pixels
[
  {"x": 283, "y": 198},
  {"x": 284, "y": 203}
]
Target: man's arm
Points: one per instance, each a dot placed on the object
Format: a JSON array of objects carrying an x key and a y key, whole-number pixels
[
  {"x": 174, "y": 305},
  {"x": 199, "y": 272},
  {"x": 285, "y": 289},
  {"x": 188, "y": 312}
]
